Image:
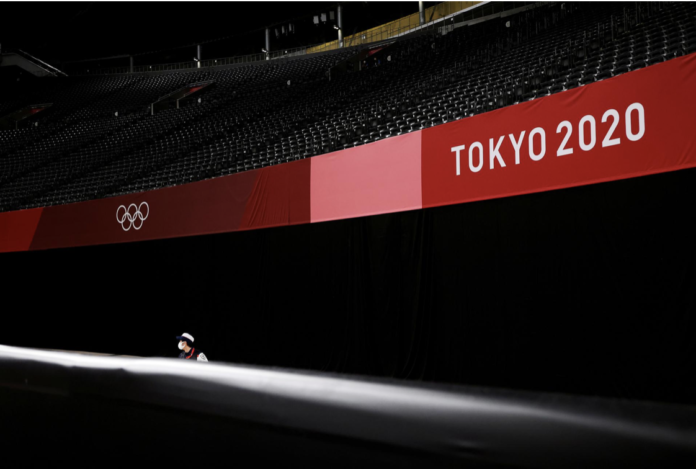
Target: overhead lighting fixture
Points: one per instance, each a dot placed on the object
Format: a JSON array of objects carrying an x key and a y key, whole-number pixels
[
  {"x": 195, "y": 59},
  {"x": 337, "y": 28},
  {"x": 264, "y": 51}
]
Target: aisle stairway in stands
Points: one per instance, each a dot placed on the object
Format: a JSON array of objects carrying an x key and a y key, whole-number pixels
[{"x": 269, "y": 113}]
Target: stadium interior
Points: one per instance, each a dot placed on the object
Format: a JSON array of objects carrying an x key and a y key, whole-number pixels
[
  {"x": 542, "y": 308},
  {"x": 100, "y": 137}
]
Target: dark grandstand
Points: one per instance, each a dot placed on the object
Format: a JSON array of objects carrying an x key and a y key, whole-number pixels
[
  {"x": 100, "y": 137},
  {"x": 543, "y": 327}
]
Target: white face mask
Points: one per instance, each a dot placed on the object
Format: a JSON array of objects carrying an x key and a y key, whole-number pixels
[{"x": 182, "y": 345}]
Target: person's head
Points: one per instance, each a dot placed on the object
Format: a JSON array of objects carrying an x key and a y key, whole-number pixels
[{"x": 185, "y": 341}]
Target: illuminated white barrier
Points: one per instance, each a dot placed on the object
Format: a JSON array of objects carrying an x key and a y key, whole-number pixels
[{"x": 456, "y": 424}]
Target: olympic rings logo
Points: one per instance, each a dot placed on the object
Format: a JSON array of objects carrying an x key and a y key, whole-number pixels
[{"x": 133, "y": 216}]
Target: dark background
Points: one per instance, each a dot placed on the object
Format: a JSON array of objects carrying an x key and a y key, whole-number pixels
[
  {"x": 588, "y": 290},
  {"x": 166, "y": 32}
]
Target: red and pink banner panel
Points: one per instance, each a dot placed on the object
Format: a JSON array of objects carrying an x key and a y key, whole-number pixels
[{"x": 637, "y": 124}]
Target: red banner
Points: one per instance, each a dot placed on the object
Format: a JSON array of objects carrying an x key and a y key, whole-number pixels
[
  {"x": 636, "y": 124},
  {"x": 272, "y": 196}
]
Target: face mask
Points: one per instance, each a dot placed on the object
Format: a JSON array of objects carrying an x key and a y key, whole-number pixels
[{"x": 182, "y": 345}]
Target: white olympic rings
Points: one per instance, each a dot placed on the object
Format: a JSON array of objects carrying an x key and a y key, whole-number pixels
[{"x": 129, "y": 218}]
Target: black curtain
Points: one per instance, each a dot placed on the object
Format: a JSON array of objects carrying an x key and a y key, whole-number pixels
[{"x": 588, "y": 290}]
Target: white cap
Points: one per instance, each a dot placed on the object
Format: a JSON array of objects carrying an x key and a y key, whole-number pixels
[{"x": 185, "y": 335}]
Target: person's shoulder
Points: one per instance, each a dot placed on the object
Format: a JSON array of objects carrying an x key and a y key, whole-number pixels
[{"x": 201, "y": 357}]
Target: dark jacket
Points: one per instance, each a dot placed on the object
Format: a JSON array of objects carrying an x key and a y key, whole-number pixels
[{"x": 194, "y": 354}]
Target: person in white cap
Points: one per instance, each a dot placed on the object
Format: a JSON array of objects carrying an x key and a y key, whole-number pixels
[{"x": 188, "y": 351}]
